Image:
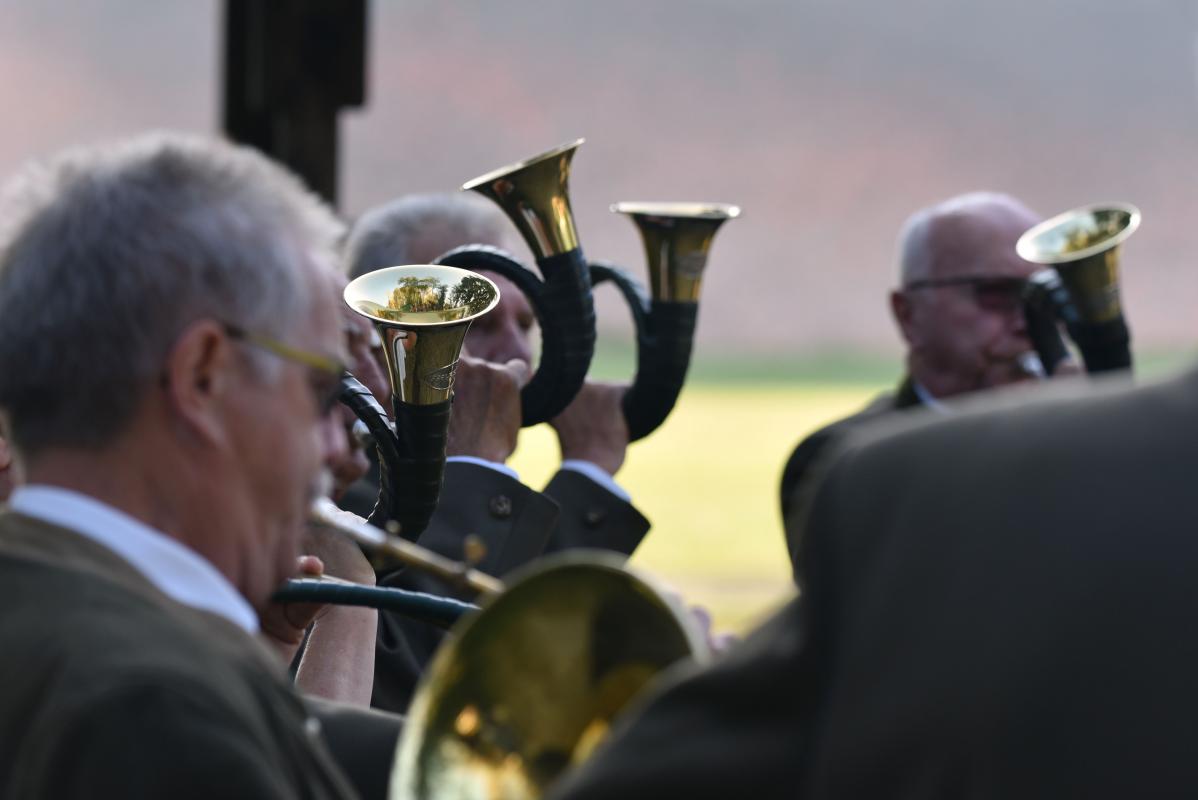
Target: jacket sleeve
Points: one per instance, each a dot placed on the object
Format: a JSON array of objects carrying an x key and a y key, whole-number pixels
[{"x": 591, "y": 516}]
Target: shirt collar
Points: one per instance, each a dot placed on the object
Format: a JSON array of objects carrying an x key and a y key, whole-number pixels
[
  {"x": 175, "y": 569},
  {"x": 927, "y": 399}
]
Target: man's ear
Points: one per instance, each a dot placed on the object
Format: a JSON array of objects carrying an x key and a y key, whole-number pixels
[
  {"x": 198, "y": 372},
  {"x": 900, "y": 308}
]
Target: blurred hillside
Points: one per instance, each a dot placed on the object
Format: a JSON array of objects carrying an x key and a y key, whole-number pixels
[{"x": 827, "y": 121}]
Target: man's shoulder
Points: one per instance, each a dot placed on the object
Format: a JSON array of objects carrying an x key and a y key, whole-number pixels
[
  {"x": 79, "y": 631},
  {"x": 1112, "y": 412},
  {"x": 1003, "y": 449},
  {"x": 814, "y": 446}
]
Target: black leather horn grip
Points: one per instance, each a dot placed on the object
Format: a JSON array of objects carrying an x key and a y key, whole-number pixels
[
  {"x": 360, "y": 401},
  {"x": 440, "y": 611},
  {"x": 565, "y": 311},
  {"x": 420, "y": 434},
  {"x": 1105, "y": 346}
]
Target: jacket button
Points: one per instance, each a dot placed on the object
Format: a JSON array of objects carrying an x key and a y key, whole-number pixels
[
  {"x": 594, "y": 517},
  {"x": 501, "y": 506}
]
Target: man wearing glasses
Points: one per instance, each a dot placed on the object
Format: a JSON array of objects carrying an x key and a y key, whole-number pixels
[
  {"x": 958, "y": 309},
  {"x": 170, "y": 341}
]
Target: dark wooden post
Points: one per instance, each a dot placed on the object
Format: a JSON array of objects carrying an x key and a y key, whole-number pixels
[{"x": 289, "y": 67}]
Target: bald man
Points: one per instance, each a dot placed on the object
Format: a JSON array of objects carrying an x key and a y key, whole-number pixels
[{"x": 958, "y": 309}]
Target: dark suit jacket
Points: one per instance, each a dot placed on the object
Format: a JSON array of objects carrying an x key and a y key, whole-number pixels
[
  {"x": 110, "y": 689},
  {"x": 807, "y": 452},
  {"x": 516, "y": 525},
  {"x": 996, "y": 604}
]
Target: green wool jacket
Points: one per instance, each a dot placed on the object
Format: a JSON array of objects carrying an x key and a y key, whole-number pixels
[{"x": 108, "y": 688}]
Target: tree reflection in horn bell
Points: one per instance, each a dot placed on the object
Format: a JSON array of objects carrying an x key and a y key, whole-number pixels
[
  {"x": 422, "y": 313},
  {"x": 1083, "y": 246}
]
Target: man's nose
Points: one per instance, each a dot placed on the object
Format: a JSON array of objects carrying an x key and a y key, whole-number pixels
[{"x": 516, "y": 344}]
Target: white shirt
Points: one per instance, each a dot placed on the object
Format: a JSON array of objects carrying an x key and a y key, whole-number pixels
[
  {"x": 587, "y": 468},
  {"x": 928, "y": 400},
  {"x": 175, "y": 569}
]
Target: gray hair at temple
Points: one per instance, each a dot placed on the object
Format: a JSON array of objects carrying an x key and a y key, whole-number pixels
[
  {"x": 107, "y": 253},
  {"x": 416, "y": 229}
]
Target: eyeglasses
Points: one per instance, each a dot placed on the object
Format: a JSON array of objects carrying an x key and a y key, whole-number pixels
[
  {"x": 326, "y": 382},
  {"x": 997, "y": 293}
]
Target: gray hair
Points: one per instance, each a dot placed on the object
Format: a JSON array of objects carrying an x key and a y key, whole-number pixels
[
  {"x": 107, "y": 253},
  {"x": 916, "y": 252},
  {"x": 418, "y": 228}
]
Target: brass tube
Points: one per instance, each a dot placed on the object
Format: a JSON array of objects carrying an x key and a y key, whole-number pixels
[{"x": 375, "y": 540}]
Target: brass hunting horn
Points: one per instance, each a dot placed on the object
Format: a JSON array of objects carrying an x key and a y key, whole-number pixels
[
  {"x": 527, "y": 687},
  {"x": 1082, "y": 247},
  {"x": 677, "y": 239},
  {"x": 422, "y": 314},
  {"x": 534, "y": 196}
]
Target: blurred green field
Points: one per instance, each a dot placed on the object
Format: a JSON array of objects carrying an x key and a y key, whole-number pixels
[{"x": 708, "y": 480}]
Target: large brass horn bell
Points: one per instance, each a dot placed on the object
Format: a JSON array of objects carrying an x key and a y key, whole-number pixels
[
  {"x": 1083, "y": 247},
  {"x": 527, "y": 687},
  {"x": 534, "y": 195},
  {"x": 677, "y": 239},
  {"x": 422, "y": 313}
]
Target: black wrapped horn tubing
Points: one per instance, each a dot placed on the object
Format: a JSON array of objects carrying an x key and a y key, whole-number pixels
[
  {"x": 661, "y": 367},
  {"x": 366, "y": 408},
  {"x": 440, "y": 611},
  {"x": 565, "y": 311},
  {"x": 664, "y": 338},
  {"x": 1105, "y": 346},
  {"x": 421, "y": 432},
  {"x": 634, "y": 294}
]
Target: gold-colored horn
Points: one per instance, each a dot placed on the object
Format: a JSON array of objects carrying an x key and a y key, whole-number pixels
[
  {"x": 677, "y": 239},
  {"x": 1083, "y": 245},
  {"x": 534, "y": 194},
  {"x": 529, "y": 686},
  {"x": 422, "y": 313}
]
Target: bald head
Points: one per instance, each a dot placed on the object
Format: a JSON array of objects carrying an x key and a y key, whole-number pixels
[
  {"x": 971, "y": 234},
  {"x": 958, "y": 305}
]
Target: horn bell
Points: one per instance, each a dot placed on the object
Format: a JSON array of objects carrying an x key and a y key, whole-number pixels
[
  {"x": 422, "y": 313},
  {"x": 1083, "y": 245},
  {"x": 677, "y": 239},
  {"x": 534, "y": 194},
  {"x": 529, "y": 686}
]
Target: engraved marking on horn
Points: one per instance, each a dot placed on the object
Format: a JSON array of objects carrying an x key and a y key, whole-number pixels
[{"x": 440, "y": 379}]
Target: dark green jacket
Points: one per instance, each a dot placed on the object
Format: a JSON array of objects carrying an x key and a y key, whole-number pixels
[{"x": 108, "y": 688}]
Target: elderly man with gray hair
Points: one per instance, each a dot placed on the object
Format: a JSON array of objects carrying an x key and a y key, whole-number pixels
[
  {"x": 958, "y": 310},
  {"x": 170, "y": 343}
]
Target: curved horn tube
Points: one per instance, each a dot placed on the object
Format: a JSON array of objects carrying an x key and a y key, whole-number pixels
[{"x": 566, "y": 313}]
